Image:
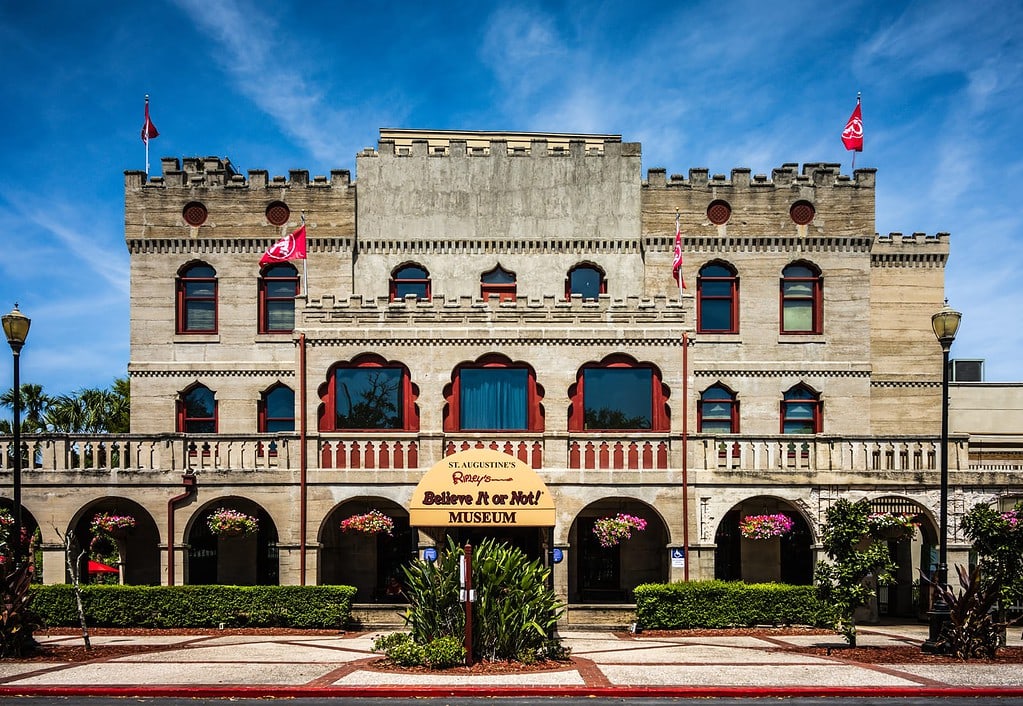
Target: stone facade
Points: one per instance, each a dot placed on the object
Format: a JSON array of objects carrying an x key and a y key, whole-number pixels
[{"x": 458, "y": 205}]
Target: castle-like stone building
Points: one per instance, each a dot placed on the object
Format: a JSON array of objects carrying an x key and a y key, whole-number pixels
[{"x": 513, "y": 293}]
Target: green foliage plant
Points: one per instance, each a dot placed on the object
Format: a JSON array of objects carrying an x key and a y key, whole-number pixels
[
  {"x": 998, "y": 540},
  {"x": 973, "y": 631},
  {"x": 444, "y": 652},
  {"x": 723, "y": 604},
  {"x": 18, "y": 619},
  {"x": 855, "y": 557}
]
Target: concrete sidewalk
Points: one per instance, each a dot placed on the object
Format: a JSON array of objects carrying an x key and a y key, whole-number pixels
[{"x": 604, "y": 664}]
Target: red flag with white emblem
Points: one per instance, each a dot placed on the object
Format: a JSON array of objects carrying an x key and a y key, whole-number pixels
[
  {"x": 852, "y": 135},
  {"x": 676, "y": 262},
  {"x": 290, "y": 247}
]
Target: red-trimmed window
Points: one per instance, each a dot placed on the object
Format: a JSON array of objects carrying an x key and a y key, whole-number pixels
[
  {"x": 717, "y": 299},
  {"x": 498, "y": 282},
  {"x": 585, "y": 280},
  {"x": 801, "y": 411},
  {"x": 196, "y": 299},
  {"x": 410, "y": 279},
  {"x": 278, "y": 287},
  {"x": 493, "y": 394},
  {"x": 369, "y": 393},
  {"x": 718, "y": 411},
  {"x": 197, "y": 411},
  {"x": 276, "y": 409},
  {"x": 618, "y": 393},
  {"x": 802, "y": 299}
]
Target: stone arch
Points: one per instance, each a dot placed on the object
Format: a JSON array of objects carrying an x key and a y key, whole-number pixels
[
  {"x": 137, "y": 550},
  {"x": 913, "y": 552},
  {"x": 609, "y": 574},
  {"x": 246, "y": 560},
  {"x": 785, "y": 559}
]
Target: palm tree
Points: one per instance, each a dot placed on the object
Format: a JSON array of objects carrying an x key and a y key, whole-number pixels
[{"x": 34, "y": 404}]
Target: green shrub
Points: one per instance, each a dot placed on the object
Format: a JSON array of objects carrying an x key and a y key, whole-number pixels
[
  {"x": 197, "y": 606},
  {"x": 406, "y": 652},
  {"x": 444, "y": 652},
  {"x": 723, "y": 604}
]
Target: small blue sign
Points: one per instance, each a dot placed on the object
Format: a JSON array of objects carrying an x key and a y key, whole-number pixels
[
  {"x": 557, "y": 555},
  {"x": 678, "y": 553},
  {"x": 430, "y": 554}
]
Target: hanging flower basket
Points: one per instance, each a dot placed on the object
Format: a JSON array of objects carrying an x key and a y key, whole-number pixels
[
  {"x": 610, "y": 531},
  {"x": 765, "y": 526},
  {"x": 372, "y": 522},
  {"x": 112, "y": 525},
  {"x": 894, "y": 525},
  {"x": 231, "y": 523}
]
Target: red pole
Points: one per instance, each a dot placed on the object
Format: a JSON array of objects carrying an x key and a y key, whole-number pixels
[
  {"x": 685, "y": 452},
  {"x": 468, "y": 604}
]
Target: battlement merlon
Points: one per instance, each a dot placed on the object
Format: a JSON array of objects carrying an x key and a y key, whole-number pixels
[
  {"x": 787, "y": 176},
  {"x": 910, "y": 248},
  {"x": 212, "y": 172}
]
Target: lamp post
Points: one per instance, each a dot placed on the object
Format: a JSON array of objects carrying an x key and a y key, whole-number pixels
[
  {"x": 945, "y": 324},
  {"x": 16, "y": 327}
]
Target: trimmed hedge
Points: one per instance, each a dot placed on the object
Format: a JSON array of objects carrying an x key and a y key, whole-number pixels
[
  {"x": 724, "y": 604},
  {"x": 196, "y": 606}
]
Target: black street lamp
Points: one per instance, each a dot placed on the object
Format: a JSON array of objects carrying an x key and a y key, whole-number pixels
[
  {"x": 16, "y": 327},
  {"x": 945, "y": 324}
]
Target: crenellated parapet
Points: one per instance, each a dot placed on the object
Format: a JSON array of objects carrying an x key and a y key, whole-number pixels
[
  {"x": 787, "y": 176},
  {"x": 910, "y": 250}
]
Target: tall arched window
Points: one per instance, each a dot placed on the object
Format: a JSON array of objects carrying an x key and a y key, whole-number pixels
[
  {"x": 197, "y": 411},
  {"x": 410, "y": 279},
  {"x": 278, "y": 287},
  {"x": 718, "y": 412},
  {"x": 369, "y": 393},
  {"x": 493, "y": 393},
  {"x": 196, "y": 299},
  {"x": 585, "y": 280},
  {"x": 618, "y": 393},
  {"x": 802, "y": 307},
  {"x": 498, "y": 282},
  {"x": 717, "y": 299},
  {"x": 801, "y": 411},
  {"x": 276, "y": 409}
]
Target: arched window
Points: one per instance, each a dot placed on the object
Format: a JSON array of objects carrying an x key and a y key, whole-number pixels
[
  {"x": 196, "y": 299},
  {"x": 618, "y": 393},
  {"x": 493, "y": 393},
  {"x": 276, "y": 409},
  {"x": 802, "y": 308},
  {"x": 585, "y": 280},
  {"x": 197, "y": 411},
  {"x": 410, "y": 279},
  {"x": 718, "y": 412},
  {"x": 717, "y": 299},
  {"x": 801, "y": 411},
  {"x": 498, "y": 282},
  {"x": 369, "y": 393},
  {"x": 278, "y": 287}
]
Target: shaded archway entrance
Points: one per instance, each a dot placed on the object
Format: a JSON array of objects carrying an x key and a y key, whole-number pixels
[
  {"x": 912, "y": 551},
  {"x": 784, "y": 559},
  {"x": 600, "y": 574},
  {"x": 246, "y": 560},
  {"x": 137, "y": 549},
  {"x": 30, "y": 534},
  {"x": 370, "y": 562}
]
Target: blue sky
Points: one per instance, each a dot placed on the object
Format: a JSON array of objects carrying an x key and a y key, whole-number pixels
[{"x": 306, "y": 85}]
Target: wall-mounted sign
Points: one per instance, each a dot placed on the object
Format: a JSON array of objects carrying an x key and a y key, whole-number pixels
[
  {"x": 481, "y": 487},
  {"x": 557, "y": 556},
  {"x": 430, "y": 554}
]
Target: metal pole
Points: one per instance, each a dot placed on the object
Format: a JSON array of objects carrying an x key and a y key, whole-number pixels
[
  {"x": 16, "y": 533},
  {"x": 940, "y": 614},
  {"x": 467, "y": 587}
]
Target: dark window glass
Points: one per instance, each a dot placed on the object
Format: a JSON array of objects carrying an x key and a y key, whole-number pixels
[
  {"x": 278, "y": 288},
  {"x": 280, "y": 409},
  {"x": 200, "y": 408},
  {"x": 368, "y": 398},
  {"x": 493, "y": 398},
  {"x": 411, "y": 279},
  {"x": 197, "y": 300},
  {"x": 717, "y": 290},
  {"x": 717, "y": 411},
  {"x": 801, "y": 409},
  {"x": 587, "y": 281},
  {"x": 617, "y": 398}
]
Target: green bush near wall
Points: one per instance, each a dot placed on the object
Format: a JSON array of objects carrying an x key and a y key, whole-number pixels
[
  {"x": 724, "y": 604},
  {"x": 196, "y": 606}
]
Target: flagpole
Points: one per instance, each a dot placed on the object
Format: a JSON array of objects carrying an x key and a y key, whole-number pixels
[
  {"x": 305, "y": 267},
  {"x": 145, "y": 128},
  {"x": 858, "y": 94},
  {"x": 678, "y": 220}
]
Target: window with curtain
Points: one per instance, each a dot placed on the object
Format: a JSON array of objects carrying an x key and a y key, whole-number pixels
[
  {"x": 493, "y": 398},
  {"x": 717, "y": 299},
  {"x": 801, "y": 411},
  {"x": 197, "y": 411},
  {"x": 410, "y": 279},
  {"x": 277, "y": 409},
  {"x": 585, "y": 280},
  {"x": 278, "y": 287},
  {"x": 718, "y": 411},
  {"x": 197, "y": 299},
  {"x": 801, "y": 299}
]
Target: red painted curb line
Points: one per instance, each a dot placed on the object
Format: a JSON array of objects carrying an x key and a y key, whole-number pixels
[{"x": 242, "y": 691}]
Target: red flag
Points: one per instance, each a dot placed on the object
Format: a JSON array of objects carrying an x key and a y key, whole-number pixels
[
  {"x": 290, "y": 247},
  {"x": 676, "y": 263},
  {"x": 149, "y": 130},
  {"x": 852, "y": 136}
]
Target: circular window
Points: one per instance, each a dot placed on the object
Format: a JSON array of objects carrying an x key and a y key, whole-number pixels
[
  {"x": 278, "y": 213},
  {"x": 194, "y": 214},
  {"x": 719, "y": 212},
  {"x": 802, "y": 212}
]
